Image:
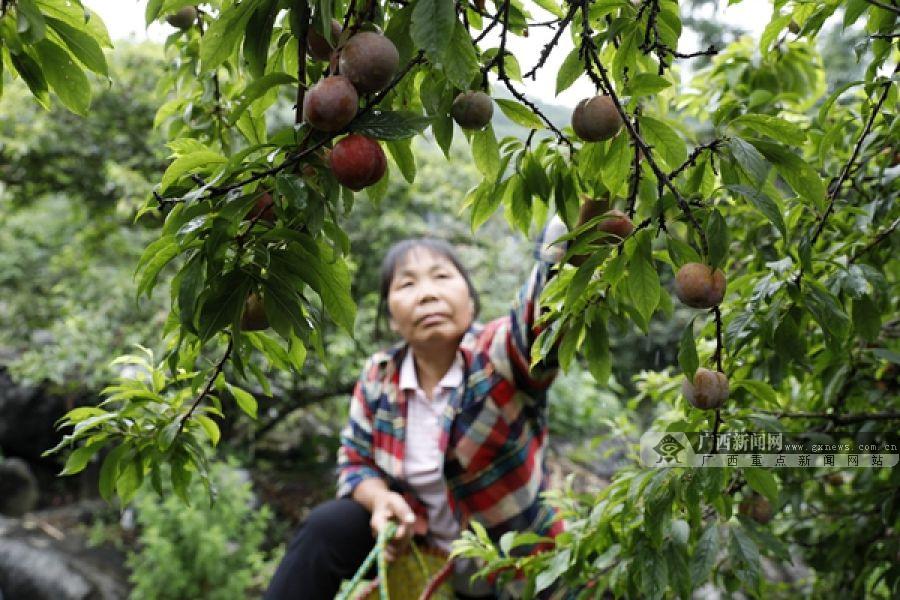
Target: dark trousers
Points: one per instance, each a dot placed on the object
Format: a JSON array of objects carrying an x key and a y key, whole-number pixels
[{"x": 329, "y": 546}]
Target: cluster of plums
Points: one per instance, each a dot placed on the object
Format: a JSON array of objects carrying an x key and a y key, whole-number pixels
[{"x": 699, "y": 286}]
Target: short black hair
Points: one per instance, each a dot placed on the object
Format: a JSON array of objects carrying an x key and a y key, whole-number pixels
[{"x": 394, "y": 257}]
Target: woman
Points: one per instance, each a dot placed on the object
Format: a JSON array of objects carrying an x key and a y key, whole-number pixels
[{"x": 446, "y": 426}]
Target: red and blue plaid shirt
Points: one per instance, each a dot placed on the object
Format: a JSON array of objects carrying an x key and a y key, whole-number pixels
[{"x": 494, "y": 430}]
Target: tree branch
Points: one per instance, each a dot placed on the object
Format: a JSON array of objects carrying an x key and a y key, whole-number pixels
[
  {"x": 661, "y": 177},
  {"x": 206, "y": 389},
  {"x": 882, "y": 5},
  {"x": 835, "y": 189},
  {"x": 545, "y": 53},
  {"x": 879, "y": 237}
]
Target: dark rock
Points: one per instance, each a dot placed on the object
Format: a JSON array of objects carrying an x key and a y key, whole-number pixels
[
  {"x": 18, "y": 487},
  {"x": 28, "y": 573},
  {"x": 47, "y": 555}
]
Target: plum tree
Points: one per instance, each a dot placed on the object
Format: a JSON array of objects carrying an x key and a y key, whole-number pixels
[
  {"x": 184, "y": 18},
  {"x": 369, "y": 60},
  {"x": 357, "y": 161},
  {"x": 472, "y": 109},
  {"x": 698, "y": 286},
  {"x": 318, "y": 46},
  {"x": 331, "y": 103},
  {"x": 596, "y": 119},
  {"x": 707, "y": 391}
]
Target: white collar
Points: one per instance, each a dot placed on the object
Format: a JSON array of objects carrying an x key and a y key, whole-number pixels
[{"x": 410, "y": 380}]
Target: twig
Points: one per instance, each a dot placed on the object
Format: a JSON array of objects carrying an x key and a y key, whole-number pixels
[
  {"x": 717, "y": 356},
  {"x": 711, "y": 51},
  {"x": 879, "y": 237},
  {"x": 835, "y": 189},
  {"x": 712, "y": 146},
  {"x": 545, "y": 53},
  {"x": 500, "y": 61},
  {"x": 289, "y": 161},
  {"x": 587, "y": 48},
  {"x": 636, "y": 169},
  {"x": 217, "y": 91},
  {"x": 661, "y": 177},
  {"x": 216, "y": 371},
  {"x": 882, "y": 5}
]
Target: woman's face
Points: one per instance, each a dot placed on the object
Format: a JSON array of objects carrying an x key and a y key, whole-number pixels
[{"x": 428, "y": 299}]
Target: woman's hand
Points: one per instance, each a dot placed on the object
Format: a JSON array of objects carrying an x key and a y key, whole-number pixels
[{"x": 390, "y": 506}]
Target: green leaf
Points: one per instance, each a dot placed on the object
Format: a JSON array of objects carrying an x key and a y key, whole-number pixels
[
  {"x": 570, "y": 70},
  {"x": 32, "y": 26},
  {"x": 646, "y": 84},
  {"x": 222, "y": 303},
  {"x": 759, "y": 389},
  {"x": 131, "y": 474},
  {"x": 750, "y": 160},
  {"x": 259, "y": 35},
  {"x": 256, "y": 89},
  {"x": 654, "y": 579},
  {"x": 803, "y": 178},
  {"x": 151, "y": 12},
  {"x": 643, "y": 280},
  {"x": 80, "y": 457},
  {"x": 190, "y": 286},
  {"x": 559, "y": 564},
  {"x": 825, "y": 309},
  {"x": 109, "y": 471},
  {"x": 551, "y": 7},
  {"x": 717, "y": 236},
  {"x": 389, "y": 125},
  {"x": 763, "y": 203},
  {"x": 75, "y": 15},
  {"x": 33, "y": 76},
  {"x": 866, "y": 318},
  {"x": 402, "y": 154},
  {"x": 245, "y": 400},
  {"x": 486, "y": 152},
  {"x": 329, "y": 278},
  {"x": 519, "y": 113},
  {"x": 616, "y": 165},
  {"x": 83, "y": 46},
  {"x": 664, "y": 140},
  {"x": 774, "y": 127},
  {"x": 461, "y": 61},
  {"x": 209, "y": 427},
  {"x": 705, "y": 554},
  {"x": 596, "y": 351},
  {"x": 65, "y": 76},
  {"x": 745, "y": 554},
  {"x": 687, "y": 352},
  {"x": 200, "y": 160},
  {"x": 223, "y": 34},
  {"x": 680, "y": 252},
  {"x": 763, "y": 482},
  {"x": 432, "y": 26},
  {"x": 162, "y": 255}
]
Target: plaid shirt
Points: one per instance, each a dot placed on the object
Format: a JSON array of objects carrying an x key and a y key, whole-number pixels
[{"x": 494, "y": 430}]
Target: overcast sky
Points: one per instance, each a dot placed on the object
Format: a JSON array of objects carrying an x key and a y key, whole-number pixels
[{"x": 125, "y": 20}]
